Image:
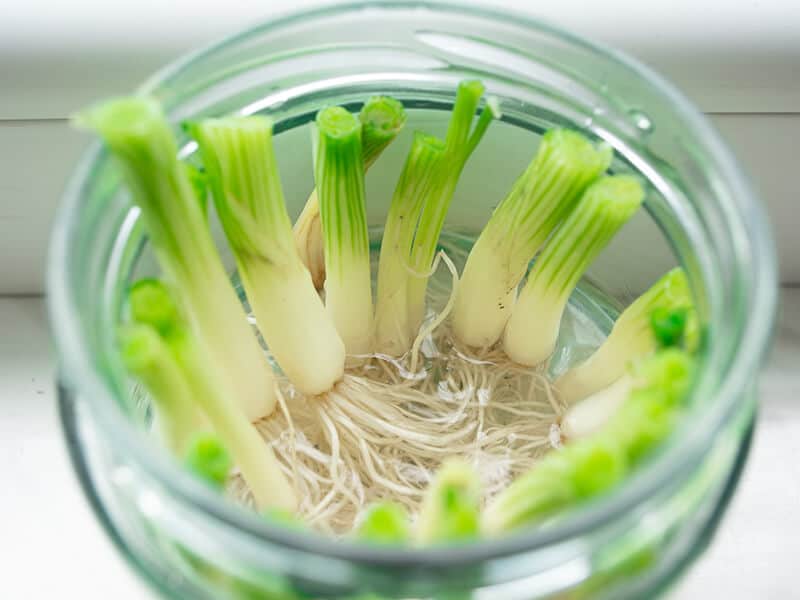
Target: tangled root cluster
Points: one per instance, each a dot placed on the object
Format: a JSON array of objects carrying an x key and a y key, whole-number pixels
[{"x": 385, "y": 428}]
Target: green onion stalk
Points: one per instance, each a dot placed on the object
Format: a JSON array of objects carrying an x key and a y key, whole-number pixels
[
  {"x": 654, "y": 406},
  {"x": 382, "y": 119},
  {"x": 152, "y": 306},
  {"x": 564, "y": 165},
  {"x": 586, "y": 468},
  {"x": 450, "y": 515},
  {"x": 560, "y": 480},
  {"x": 243, "y": 176},
  {"x": 632, "y": 337},
  {"x": 591, "y": 413},
  {"x": 450, "y": 511},
  {"x": 148, "y": 358},
  {"x": 532, "y": 329},
  {"x": 208, "y": 458},
  {"x": 339, "y": 174},
  {"x": 416, "y": 216},
  {"x": 384, "y": 523},
  {"x": 136, "y": 132},
  {"x": 670, "y": 328}
]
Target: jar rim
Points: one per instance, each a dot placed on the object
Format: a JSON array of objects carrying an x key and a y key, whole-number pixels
[{"x": 752, "y": 340}]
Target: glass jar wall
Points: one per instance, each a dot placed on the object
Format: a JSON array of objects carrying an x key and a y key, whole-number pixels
[{"x": 700, "y": 213}]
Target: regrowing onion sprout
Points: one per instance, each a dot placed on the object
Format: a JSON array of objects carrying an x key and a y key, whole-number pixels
[
  {"x": 451, "y": 509},
  {"x": 631, "y": 337},
  {"x": 243, "y": 177},
  {"x": 382, "y": 119},
  {"x": 531, "y": 331},
  {"x": 152, "y": 306},
  {"x": 416, "y": 216},
  {"x": 138, "y": 135},
  {"x": 661, "y": 317},
  {"x": 385, "y": 523},
  {"x": 592, "y": 465},
  {"x": 208, "y": 458},
  {"x": 428, "y": 417},
  {"x": 340, "y": 189},
  {"x": 148, "y": 358},
  {"x": 544, "y": 194}
]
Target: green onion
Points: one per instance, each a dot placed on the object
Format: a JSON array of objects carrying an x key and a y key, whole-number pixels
[
  {"x": 137, "y": 134},
  {"x": 339, "y": 177},
  {"x": 459, "y": 145},
  {"x": 150, "y": 303},
  {"x": 590, "y": 414},
  {"x": 384, "y": 523},
  {"x": 451, "y": 508},
  {"x": 594, "y": 411},
  {"x": 393, "y": 328},
  {"x": 588, "y": 467},
  {"x": 147, "y": 357},
  {"x": 669, "y": 325},
  {"x": 559, "y": 481},
  {"x": 597, "y": 465},
  {"x": 632, "y": 337},
  {"x": 382, "y": 118},
  {"x": 651, "y": 410},
  {"x": 562, "y": 479},
  {"x": 564, "y": 165},
  {"x": 531, "y": 332},
  {"x": 416, "y": 216},
  {"x": 544, "y": 490},
  {"x": 243, "y": 176},
  {"x": 207, "y": 458}
]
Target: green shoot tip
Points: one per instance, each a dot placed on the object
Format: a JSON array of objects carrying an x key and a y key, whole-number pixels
[
  {"x": 120, "y": 118},
  {"x": 471, "y": 87},
  {"x": 151, "y": 303},
  {"x": 576, "y": 152},
  {"x": 209, "y": 459},
  {"x": 598, "y": 464},
  {"x": 384, "y": 523},
  {"x": 451, "y": 508},
  {"x": 337, "y": 122},
  {"x": 139, "y": 346},
  {"x": 667, "y": 373},
  {"x": 384, "y": 115},
  {"x": 669, "y": 325},
  {"x": 621, "y": 195}
]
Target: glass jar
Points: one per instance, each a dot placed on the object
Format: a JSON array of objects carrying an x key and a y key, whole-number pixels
[{"x": 188, "y": 542}]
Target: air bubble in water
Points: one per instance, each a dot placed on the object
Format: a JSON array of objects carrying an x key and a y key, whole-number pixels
[{"x": 641, "y": 121}]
